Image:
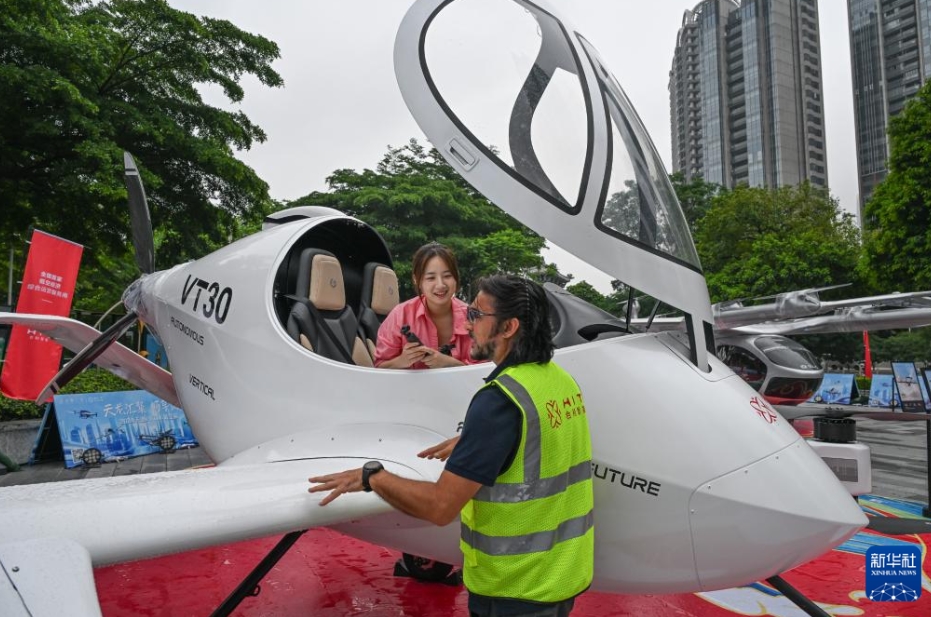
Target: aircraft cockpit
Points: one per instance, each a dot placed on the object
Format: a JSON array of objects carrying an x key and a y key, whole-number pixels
[
  {"x": 781, "y": 369},
  {"x": 338, "y": 277}
]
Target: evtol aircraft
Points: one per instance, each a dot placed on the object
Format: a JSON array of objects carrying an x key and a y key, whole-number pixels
[
  {"x": 750, "y": 336},
  {"x": 699, "y": 483}
]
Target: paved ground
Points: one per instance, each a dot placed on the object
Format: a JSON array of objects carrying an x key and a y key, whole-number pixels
[
  {"x": 55, "y": 471},
  {"x": 898, "y": 451}
]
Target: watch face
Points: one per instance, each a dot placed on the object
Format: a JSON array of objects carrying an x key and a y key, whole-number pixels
[{"x": 372, "y": 466}]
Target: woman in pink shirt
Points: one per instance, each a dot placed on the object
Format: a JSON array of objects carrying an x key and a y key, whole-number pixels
[{"x": 435, "y": 318}]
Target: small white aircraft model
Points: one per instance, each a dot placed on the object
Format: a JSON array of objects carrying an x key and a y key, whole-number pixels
[
  {"x": 751, "y": 339},
  {"x": 699, "y": 483}
]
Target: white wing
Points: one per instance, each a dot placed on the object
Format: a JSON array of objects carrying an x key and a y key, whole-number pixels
[
  {"x": 40, "y": 577},
  {"x": 118, "y": 359},
  {"x": 117, "y": 519},
  {"x": 862, "y": 320}
]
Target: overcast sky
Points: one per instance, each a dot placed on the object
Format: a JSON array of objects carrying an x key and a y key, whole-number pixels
[{"x": 341, "y": 108}]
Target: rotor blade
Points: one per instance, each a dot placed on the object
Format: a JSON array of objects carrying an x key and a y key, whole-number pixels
[
  {"x": 86, "y": 356},
  {"x": 139, "y": 217}
]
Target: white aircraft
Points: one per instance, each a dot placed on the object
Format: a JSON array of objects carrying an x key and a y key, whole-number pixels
[
  {"x": 699, "y": 483},
  {"x": 751, "y": 338}
]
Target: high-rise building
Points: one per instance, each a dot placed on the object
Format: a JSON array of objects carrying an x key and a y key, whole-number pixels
[
  {"x": 745, "y": 94},
  {"x": 890, "y": 52}
]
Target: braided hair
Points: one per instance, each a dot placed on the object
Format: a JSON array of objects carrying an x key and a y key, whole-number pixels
[{"x": 524, "y": 300}]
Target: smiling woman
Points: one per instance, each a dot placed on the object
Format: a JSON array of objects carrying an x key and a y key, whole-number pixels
[{"x": 427, "y": 331}]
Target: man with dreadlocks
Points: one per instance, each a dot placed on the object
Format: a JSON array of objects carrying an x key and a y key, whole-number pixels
[{"x": 519, "y": 475}]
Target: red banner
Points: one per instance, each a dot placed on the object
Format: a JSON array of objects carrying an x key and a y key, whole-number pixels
[
  {"x": 48, "y": 286},
  {"x": 867, "y": 357}
]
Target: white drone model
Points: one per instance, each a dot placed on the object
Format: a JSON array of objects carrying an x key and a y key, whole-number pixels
[{"x": 690, "y": 463}]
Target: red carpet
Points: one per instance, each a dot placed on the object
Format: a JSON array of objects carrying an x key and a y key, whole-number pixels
[{"x": 327, "y": 574}]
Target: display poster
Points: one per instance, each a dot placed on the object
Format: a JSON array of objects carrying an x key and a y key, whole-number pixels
[
  {"x": 882, "y": 392},
  {"x": 837, "y": 388},
  {"x": 907, "y": 383},
  {"x": 113, "y": 426},
  {"x": 32, "y": 359}
]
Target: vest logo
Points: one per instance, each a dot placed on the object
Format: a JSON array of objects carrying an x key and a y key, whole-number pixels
[{"x": 554, "y": 413}]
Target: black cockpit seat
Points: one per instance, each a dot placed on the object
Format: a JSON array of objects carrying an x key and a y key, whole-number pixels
[
  {"x": 379, "y": 296},
  {"x": 319, "y": 318}
]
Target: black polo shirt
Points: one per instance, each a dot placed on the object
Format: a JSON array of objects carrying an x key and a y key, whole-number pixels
[{"x": 490, "y": 435}]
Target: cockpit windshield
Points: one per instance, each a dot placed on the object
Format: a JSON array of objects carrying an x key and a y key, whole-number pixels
[
  {"x": 641, "y": 205},
  {"x": 786, "y": 352},
  {"x": 532, "y": 117},
  {"x": 525, "y": 109}
]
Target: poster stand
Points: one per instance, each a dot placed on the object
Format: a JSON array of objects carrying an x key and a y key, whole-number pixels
[{"x": 47, "y": 447}]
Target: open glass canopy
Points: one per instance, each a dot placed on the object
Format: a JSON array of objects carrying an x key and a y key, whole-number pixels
[{"x": 525, "y": 109}]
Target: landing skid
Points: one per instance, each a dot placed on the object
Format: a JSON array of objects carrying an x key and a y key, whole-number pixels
[
  {"x": 418, "y": 568},
  {"x": 797, "y": 597},
  {"x": 249, "y": 587}
]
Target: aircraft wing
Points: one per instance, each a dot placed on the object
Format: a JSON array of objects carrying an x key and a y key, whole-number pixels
[
  {"x": 118, "y": 359},
  {"x": 810, "y": 410},
  {"x": 913, "y": 298},
  {"x": 846, "y": 321},
  {"x": 53, "y": 532}
]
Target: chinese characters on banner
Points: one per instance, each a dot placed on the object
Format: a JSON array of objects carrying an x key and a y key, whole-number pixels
[{"x": 48, "y": 286}]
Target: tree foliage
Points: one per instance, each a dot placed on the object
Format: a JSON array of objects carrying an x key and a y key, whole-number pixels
[
  {"x": 907, "y": 346},
  {"x": 695, "y": 197},
  {"x": 897, "y": 219},
  {"x": 413, "y": 197},
  {"x": 82, "y": 81},
  {"x": 759, "y": 241}
]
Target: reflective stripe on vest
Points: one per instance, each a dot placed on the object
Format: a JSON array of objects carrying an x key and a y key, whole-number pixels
[
  {"x": 537, "y": 489},
  {"x": 530, "y": 543}
]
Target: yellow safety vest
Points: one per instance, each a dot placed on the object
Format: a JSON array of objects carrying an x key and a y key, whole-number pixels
[{"x": 531, "y": 535}]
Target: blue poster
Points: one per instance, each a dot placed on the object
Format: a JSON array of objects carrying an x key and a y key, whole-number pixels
[
  {"x": 882, "y": 392},
  {"x": 907, "y": 383},
  {"x": 113, "y": 426},
  {"x": 835, "y": 388}
]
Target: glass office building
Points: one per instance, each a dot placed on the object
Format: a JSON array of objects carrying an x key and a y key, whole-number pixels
[
  {"x": 745, "y": 94},
  {"x": 890, "y": 52}
]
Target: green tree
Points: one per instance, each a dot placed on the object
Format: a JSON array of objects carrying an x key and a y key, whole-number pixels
[
  {"x": 81, "y": 81},
  {"x": 907, "y": 346},
  {"x": 585, "y": 291},
  {"x": 695, "y": 197},
  {"x": 897, "y": 219},
  {"x": 758, "y": 241},
  {"x": 413, "y": 197}
]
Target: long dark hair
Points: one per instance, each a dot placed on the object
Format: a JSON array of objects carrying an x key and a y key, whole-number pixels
[{"x": 519, "y": 298}]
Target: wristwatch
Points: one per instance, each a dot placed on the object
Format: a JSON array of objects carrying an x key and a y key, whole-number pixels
[{"x": 372, "y": 467}]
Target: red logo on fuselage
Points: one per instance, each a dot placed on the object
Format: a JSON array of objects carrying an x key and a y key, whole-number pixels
[{"x": 762, "y": 409}]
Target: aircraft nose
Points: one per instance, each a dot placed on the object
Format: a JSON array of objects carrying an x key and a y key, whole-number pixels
[{"x": 769, "y": 517}]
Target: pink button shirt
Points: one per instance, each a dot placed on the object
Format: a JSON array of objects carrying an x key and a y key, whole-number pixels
[{"x": 413, "y": 313}]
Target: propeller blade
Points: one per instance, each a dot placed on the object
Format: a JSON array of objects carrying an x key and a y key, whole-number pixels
[
  {"x": 139, "y": 217},
  {"x": 86, "y": 357}
]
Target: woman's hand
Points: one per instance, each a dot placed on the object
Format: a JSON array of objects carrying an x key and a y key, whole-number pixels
[
  {"x": 440, "y": 451},
  {"x": 411, "y": 354},
  {"x": 434, "y": 359}
]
